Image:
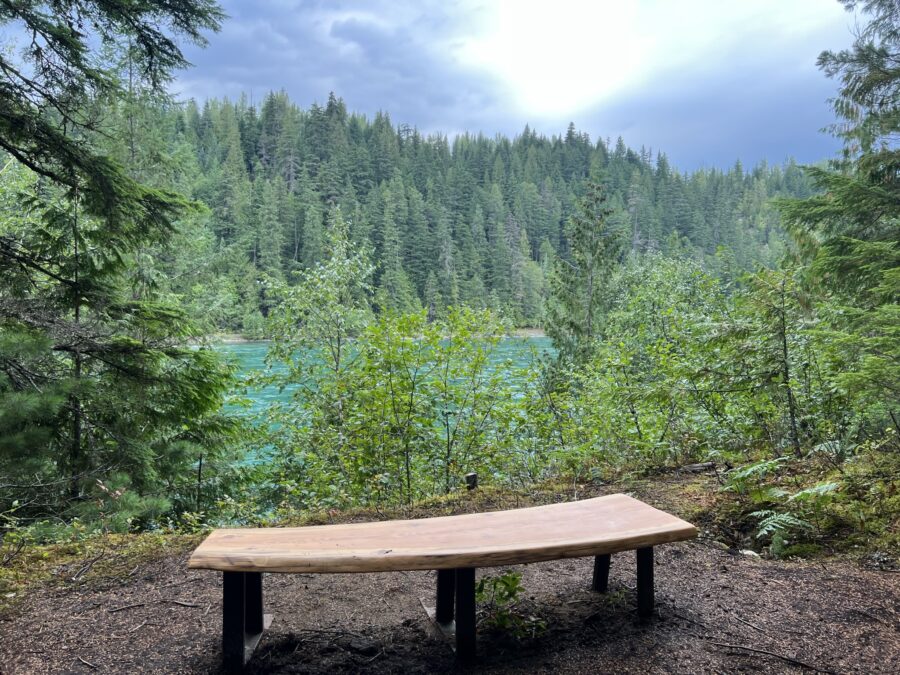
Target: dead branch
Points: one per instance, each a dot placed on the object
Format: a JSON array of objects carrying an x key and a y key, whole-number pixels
[
  {"x": 873, "y": 617},
  {"x": 123, "y": 608},
  {"x": 88, "y": 663},
  {"x": 747, "y": 623},
  {"x": 87, "y": 566},
  {"x": 787, "y": 659}
]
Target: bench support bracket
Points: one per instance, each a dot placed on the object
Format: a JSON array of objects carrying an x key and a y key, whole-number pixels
[
  {"x": 243, "y": 621},
  {"x": 645, "y": 582}
]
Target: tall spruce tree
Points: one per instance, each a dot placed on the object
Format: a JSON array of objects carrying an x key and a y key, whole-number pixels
[
  {"x": 851, "y": 232},
  {"x": 575, "y": 310}
]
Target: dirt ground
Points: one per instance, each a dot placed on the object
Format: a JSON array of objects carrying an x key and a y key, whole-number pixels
[{"x": 718, "y": 611}]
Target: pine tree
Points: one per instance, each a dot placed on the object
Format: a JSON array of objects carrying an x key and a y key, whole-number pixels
[
  {"x": 232, "y": 203},
  {"x": 309, "y": 249},
  {"x": 434, "y": 303},
  {"x": 851, "y": 232},
  {"x": 575, "y": 310},
  {"x": 395, "y": 291},
  {"x": 499, "y": 257},
  {"x": 445, "y": 255},
  {"x": 417, "y": 240},
  {"x": 269, "y": 228}
]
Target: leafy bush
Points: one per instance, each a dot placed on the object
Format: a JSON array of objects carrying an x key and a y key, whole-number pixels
[{"x": 498, "y": 597}]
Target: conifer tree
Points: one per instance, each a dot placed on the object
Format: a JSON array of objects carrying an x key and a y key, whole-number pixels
[
  {"x": 96, "y": 366},
  {"x": 445, "y": 255},
  {"x": 416, "y": 240},
  {"x": 311, "y": 246},
  {"x": 395, "y": 291},
  {"x": 268, "y": 228},
  {"x": 851, "y": 232},
  {"x": 575, "y": 310}
]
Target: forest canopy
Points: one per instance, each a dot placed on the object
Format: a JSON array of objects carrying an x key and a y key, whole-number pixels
[{"x": 470, "y": 220}]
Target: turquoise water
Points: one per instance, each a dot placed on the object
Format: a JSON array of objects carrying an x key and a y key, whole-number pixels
[{"x": 250, "y": 358}]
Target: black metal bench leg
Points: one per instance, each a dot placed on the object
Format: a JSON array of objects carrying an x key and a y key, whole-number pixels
[
  {"x": 446, "y": 589},
  {"x": 233, "y": 621},
  {"x": 601, "y": 573},
  {"x": 465, "y": 614},
  {"x": 645, "y": 582},
  {"x": 242, "y": 617}
]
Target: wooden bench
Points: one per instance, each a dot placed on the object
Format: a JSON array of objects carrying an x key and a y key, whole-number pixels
[{"x": 453, "y": 545}]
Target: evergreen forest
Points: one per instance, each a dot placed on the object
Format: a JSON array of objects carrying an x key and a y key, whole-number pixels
[{"x": 472, "y": 220}]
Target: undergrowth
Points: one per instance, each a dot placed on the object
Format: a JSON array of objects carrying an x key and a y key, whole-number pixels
[
  {"x": 830, "y": 501},
  {"x": 78, "y": 556}
]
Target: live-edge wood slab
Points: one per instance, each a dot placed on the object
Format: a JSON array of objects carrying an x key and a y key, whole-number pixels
[{"x": 589, "y": 527}]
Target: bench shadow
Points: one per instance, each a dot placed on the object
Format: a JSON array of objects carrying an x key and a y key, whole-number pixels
[{"x": 595, "y": 625}]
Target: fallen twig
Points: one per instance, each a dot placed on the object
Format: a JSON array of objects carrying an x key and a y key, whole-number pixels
[
  {"x": 752, "y": 625},
  {"x": 687, "y": 618},
  {"x": 697, "y": 468},
  {"x": 13, "y": 553},
  {"x": 787, "y": 659},
  {"x": 331, "y": 632},
  {"x": 138, "y": 627},
  {"x": 123, "y": 608},
  {"x": 180, "y": 602},
  {"x": 88, "y": 663},
  {"x": 87, "y": 567}
]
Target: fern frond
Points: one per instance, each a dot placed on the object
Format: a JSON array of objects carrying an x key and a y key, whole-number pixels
[{"x": 772, "y": 523}]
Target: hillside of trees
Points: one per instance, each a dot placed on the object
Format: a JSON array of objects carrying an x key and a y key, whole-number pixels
[{"x": 469, "y": 220}]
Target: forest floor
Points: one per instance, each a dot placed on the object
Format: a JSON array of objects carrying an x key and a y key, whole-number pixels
[{"x": 718, "y": 610}]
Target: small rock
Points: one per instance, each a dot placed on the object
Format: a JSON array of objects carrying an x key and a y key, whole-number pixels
[{"x": 751, "y": 554}]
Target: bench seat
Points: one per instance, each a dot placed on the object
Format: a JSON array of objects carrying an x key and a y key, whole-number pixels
[
  {"x": 453, "y": 545},
  {"x": 567, "y": 530}
]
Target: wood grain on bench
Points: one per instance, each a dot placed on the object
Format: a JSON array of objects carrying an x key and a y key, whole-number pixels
[{"x": 568, "y": 530}]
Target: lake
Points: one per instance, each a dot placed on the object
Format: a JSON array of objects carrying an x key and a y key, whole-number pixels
[{"x": 250, "y": 357}]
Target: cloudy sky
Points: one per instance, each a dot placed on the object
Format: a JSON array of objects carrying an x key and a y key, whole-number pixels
[{"x": 706, "y": 81}]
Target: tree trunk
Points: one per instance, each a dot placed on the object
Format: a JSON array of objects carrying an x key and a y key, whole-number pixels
[
  {"x": 75, "y": 448},
  {"x": 786, "y": 373}
]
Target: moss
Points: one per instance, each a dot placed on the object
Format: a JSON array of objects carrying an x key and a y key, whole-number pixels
[
  {"x": 804, "y": 550},
  {"x": 94, "y": 559}
]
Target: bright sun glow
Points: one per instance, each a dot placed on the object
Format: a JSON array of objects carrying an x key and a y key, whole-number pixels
[
  {"x": 549, "y": 58},
  {"x": 560, "y": 57}
]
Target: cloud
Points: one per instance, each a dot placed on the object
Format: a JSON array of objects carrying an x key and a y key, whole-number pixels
[
  {"x": 376, "y": 55},
  {"x": 717, "y": 119},
  {"x": 703, "y": 80}
]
